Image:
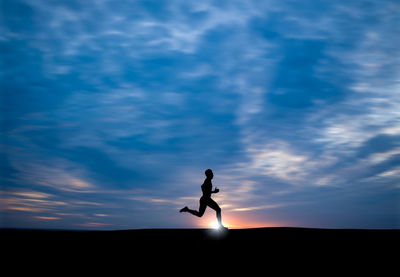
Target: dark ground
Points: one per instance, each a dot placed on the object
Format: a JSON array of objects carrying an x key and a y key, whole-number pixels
[{"x": 270, "y": 249}]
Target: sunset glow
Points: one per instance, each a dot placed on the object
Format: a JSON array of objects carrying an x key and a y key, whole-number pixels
[{"x": 237, "y": 221}]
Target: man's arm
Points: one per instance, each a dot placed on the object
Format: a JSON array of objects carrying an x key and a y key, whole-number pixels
[{"x": 216, "y": 190}]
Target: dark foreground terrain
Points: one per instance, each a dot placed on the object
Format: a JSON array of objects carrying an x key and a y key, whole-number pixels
[{"x": 202, "y": 249}]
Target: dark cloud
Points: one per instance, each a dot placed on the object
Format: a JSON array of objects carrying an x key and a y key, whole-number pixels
[{"x": 378, "y": 144}]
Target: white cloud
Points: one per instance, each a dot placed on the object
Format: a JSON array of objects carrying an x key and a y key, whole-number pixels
[
  {"x": 367, "y": 118},
  {"x": 390, "y": 173},
  {"x": 376, "y": 158},
  {"x": 277, "y": 159},
  {"x": 253, "y": 208},
  {"x": 156, "y": 201}
]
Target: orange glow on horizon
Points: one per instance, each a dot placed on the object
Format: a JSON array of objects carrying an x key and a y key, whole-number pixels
[{"x": 235, "y": 221}]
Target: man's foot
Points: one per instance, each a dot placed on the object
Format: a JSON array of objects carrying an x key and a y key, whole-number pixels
[
  {"x": 223, "y": 228},
  {"x": 185, "y": 209}
]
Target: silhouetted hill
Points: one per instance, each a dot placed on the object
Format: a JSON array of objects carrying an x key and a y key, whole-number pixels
[{"x": 269, "y": 247}]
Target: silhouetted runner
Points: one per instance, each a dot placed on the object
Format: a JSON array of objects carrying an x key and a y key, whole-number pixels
[{"x": 206, "y": 200}]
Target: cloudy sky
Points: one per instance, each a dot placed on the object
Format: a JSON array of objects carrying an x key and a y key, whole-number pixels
[{"x": 112, "y": 110}]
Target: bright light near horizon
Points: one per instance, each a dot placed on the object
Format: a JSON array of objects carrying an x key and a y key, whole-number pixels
[
  {"x": 236, "y": 220},
  {"x": 215, "y": 225}
]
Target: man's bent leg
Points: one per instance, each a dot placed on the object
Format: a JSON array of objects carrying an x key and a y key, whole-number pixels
[{"x": 202, "y": 208}]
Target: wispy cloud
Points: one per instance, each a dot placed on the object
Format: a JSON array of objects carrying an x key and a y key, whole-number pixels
[
  {"x": 47, "y": 217},
  {"x": 30, "y": 201},
  {"x": 262, "y": 207},
  {"x": 55, "y": 177}
]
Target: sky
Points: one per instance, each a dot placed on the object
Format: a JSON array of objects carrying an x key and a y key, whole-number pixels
[{"x": 111, "y": 111}]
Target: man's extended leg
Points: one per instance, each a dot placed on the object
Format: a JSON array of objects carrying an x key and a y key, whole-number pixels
[{"x": 213, "y": 205}]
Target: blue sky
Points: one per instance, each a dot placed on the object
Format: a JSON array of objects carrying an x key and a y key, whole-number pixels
[{"x": 112, "y": 110}]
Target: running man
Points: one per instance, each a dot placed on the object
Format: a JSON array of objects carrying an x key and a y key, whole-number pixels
[{"x": 206, "y": 200}]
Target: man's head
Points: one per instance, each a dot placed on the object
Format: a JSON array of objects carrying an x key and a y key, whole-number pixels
[{"x": 209, "y": 173}]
